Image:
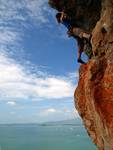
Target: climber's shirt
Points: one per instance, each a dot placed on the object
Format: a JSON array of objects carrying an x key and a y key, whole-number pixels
[{"x": 66, "y": 23}]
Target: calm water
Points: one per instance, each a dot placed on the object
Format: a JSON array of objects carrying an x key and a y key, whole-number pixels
[{"x": 51, "y": 137}]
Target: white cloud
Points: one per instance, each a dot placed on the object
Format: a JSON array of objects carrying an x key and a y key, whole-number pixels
[
  {"x": 74, "y": 75},
  {"x": 16, "y": 83},
  {"x": 11, "y": 103},
  {"x": 37, "y": 9},
  {"x": 21, "y": 10},
  {"x": 16, "y": 16},
  {"x": 54, "y": 87},
  {"x": 51, "y": 110},
  {"x": 7, "y": 36},
  {"x": 53, "y": 114},
  {"x": 48, "y": 112}
]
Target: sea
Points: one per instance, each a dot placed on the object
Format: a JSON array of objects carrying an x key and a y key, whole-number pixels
[{"x": 46, "y": 136}]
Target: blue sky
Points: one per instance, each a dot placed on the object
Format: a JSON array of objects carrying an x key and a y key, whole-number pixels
[{"x": 38, "y": 65}]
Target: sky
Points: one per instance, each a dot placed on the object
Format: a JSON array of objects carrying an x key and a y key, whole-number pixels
[{"x": 38, "y": 67}]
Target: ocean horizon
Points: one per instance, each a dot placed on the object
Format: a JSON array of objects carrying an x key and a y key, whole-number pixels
[{"x": 63, "y": 135}]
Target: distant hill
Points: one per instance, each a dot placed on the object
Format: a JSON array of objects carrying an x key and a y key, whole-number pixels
[{"x": 72, "y": 122}]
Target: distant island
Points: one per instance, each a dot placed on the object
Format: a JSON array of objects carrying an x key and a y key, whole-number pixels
[{"x": 72, "y": 122}]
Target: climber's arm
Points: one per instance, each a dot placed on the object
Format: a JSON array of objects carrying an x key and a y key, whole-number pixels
[{"x": 63, "y": 16}]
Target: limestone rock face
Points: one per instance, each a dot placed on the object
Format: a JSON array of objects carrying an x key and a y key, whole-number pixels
[
  {"x": 94, "y": 101},
  {"x": 94, "y": 94}
]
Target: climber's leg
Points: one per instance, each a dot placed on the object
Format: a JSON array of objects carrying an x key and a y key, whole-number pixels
[
  {"x": 79, "y": 56},
  {"x": 87, "y": 36},
  {"x": 80, "y": 50},
  {"x": 87, "y": 48}
]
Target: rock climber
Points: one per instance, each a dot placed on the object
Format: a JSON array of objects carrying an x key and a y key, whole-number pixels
[{"x": 83, "y": 38}]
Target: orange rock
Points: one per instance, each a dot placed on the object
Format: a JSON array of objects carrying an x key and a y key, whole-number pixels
[
  {"x": 94, "y": 94},
  {"x": 95, "y": 103}
]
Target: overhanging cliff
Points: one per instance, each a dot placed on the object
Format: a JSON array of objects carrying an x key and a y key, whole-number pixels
[
  {"x": 94, "y": 94},
  {"x": 84, "y": 13}
]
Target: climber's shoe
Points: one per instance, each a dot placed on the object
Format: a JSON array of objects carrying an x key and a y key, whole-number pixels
[{"x": 80, "y": 61}]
